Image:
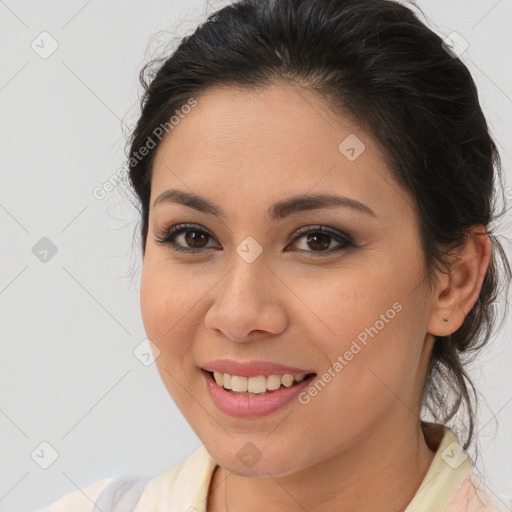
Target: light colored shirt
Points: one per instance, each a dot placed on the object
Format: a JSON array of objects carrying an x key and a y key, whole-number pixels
[{"x": 450, "y": 485}]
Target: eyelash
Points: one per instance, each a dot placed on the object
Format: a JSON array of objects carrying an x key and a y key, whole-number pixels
[{"x": 166, "y": 238}]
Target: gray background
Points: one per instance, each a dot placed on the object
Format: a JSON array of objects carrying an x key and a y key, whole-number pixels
[{"x": 70, "y": 321}]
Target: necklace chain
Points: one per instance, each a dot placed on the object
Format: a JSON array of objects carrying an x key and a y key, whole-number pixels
[{"x": 226, "y": 493}]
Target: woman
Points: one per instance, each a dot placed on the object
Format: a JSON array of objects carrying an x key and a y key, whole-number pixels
[{"x": 316, "y": 188}]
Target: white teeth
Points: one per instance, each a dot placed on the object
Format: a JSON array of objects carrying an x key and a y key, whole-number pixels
[
  {"x": 287, "y": 380},
  {"x": 259, "y": 384},
  {"x": 273, "y": 382},
  {"x": 238, "y": 383},
  {"x": 218, "y": 378}
]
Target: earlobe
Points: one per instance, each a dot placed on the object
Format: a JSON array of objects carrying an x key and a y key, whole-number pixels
[{"x": 458, "y": 290}]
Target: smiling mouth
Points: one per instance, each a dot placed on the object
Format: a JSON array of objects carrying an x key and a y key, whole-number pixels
[{"x": 307, "y": 377}]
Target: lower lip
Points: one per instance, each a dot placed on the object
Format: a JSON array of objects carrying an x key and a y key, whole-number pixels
[{"x": 251, "y": 406}]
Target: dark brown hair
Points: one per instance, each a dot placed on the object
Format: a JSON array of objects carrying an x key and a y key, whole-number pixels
[{"x": 378, "y": 63}]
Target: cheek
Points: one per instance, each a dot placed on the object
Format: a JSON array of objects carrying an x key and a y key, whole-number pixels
[
  {"x": 166, "y": 313},
  {"x": 352, "y": 304},
  {"x": 363, "y": 382},
  {"x": 165, "y": 303},
  {"x": 368, "y": 334}
]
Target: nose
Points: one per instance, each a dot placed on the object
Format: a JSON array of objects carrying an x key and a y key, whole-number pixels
[{"x": 248, "y": 303}]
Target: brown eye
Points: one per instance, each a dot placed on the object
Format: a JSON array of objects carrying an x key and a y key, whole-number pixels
[
  {"x": 195, "y": 239},
  {"x": 319, "y": 241},
  {"x": 192, "y": 238},
  {"x": 320, "y": 238}
]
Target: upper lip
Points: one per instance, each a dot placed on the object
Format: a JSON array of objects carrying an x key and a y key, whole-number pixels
[{"x": 252, "y": 368}]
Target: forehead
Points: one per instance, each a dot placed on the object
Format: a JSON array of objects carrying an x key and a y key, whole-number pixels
[{"x": 271, "y": 143}]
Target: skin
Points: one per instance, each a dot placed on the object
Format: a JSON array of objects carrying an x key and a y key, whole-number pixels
[{"x": 244, "y": 151}]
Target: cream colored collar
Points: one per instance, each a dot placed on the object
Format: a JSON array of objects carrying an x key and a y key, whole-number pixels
[{"x": 185, "y": 485}]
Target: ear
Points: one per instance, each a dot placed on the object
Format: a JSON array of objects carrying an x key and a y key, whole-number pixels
[{"x": 458, "y": 290}]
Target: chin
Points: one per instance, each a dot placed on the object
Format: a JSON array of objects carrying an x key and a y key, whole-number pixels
[{"x": 277, "y": 462}]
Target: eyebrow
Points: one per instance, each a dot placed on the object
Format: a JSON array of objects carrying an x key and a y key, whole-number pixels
[{"x": 277, "y": 211}]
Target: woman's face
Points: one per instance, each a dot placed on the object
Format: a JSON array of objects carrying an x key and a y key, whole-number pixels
[{"x": 252, "y": 289}]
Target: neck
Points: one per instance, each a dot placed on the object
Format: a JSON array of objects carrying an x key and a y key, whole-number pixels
[{"x": 392, "y": 464}]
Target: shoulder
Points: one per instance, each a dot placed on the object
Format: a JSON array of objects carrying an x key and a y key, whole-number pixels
[
  {"x": 452, "y": 483},
  {"x": 81, "y": 500},
  {"x": 185, "y": 485},
  {"x": 186, "y": 482},
  {"x": 472, "y": 496}
]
